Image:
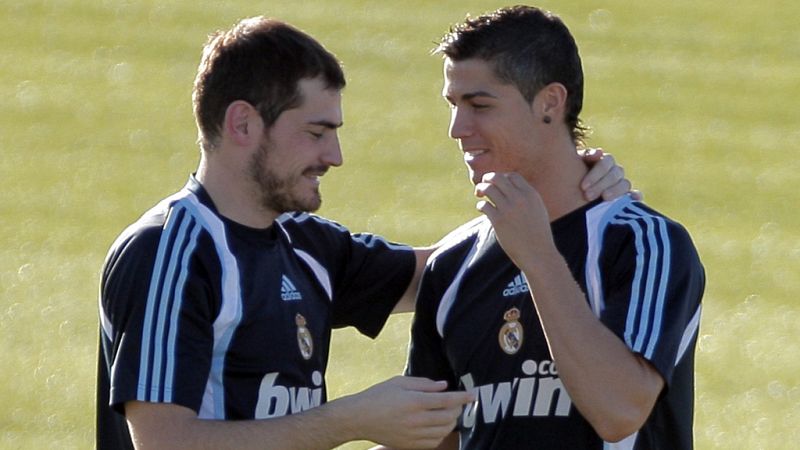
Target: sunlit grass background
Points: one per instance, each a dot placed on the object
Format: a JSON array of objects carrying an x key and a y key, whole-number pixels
[{"x": 698, "y": 100}]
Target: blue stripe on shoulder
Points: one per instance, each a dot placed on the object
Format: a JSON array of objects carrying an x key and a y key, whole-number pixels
[
  {"x": 230, "y": 314},
  {"x": 649, "y": 287},
  {"x": 176, "y": 308},
  {"x": 186, "y": 219},
  {"x": 158, "y": 283}
]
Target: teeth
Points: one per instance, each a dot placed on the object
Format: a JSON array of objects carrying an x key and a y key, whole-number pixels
[{"x": 470, "y": 154}]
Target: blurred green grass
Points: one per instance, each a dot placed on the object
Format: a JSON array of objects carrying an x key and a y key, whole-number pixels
[{"x": 696, "y": 99}]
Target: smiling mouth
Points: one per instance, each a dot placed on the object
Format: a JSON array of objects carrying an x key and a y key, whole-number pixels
[
  {"x": 315, "y": 172},
  {"x": 472, "y": 154}
]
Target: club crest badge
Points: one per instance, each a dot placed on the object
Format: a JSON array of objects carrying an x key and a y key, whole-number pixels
[
  {"x": 511, "y": 335},
  {"x": 304, "y": 340}
]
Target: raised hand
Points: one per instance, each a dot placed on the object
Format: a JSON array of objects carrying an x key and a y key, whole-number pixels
[
  {"x": 517, "y": 213},
  {"x": 605, "y": 178}
]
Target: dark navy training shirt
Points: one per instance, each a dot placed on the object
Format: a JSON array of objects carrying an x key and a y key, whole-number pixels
[
  {"x": 476, "y": 326},
  {"x": 230, "y": 321}
]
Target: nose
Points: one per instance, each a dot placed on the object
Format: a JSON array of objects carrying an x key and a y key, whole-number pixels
[
  {"x": 333, "y": 154},
  {"x": 460, "y": 123}
]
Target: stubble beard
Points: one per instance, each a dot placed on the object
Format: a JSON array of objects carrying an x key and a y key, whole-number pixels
[{"x": 275, "y": 190}]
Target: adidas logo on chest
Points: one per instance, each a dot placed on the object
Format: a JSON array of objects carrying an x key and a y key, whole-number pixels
[
  {"x": 288, "y": 290},
  {"x": 516, "y": 286}
]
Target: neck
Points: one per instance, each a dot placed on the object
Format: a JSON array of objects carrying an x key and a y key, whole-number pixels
[
  {"x": 558, "y": 181},
  {"x": 232, "y": 191}
]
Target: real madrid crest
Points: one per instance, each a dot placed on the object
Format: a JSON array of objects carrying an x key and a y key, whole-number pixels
[
  {"x": 304, "y": 340},
  {"x": 511, "y": 335}
]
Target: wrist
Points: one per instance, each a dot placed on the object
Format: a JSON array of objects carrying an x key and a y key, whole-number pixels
[
  {"x": 340, "y": 421},
  {"x": 539, "y": 259},
  {"x": 348, "y": 416}
]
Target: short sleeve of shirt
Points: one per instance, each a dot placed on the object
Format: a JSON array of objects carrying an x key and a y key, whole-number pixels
[
  {"x": 367, "y": 274},
  {"x": 654, "y": 282},
  {"x": 156, "y": 317},
  {"x": 426, "y": 352}
]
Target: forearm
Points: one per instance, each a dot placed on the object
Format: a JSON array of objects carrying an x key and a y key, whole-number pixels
[
  {"x": 613, "y": 388},
  {"x": 157, "y": 426},
  {"x": 405, "y": 412}
]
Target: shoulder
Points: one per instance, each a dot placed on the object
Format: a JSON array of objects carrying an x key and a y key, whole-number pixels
[
  {"x": 310, "y": 231},
  {"x": 633, "y": 217},
  {"x": 455, "y": 248},
  {"x": 138, "y": 239},
  {"x": 462, "y": 237},
  {"x": 445, "y": 269},
  {"x": 625, "y": 226},
  {"x": 139, "y": 242},
  {"x": 305, "y": 225}
]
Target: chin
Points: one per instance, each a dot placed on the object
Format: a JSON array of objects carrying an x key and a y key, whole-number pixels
[
  {"x": 476, "y": 176},
  {"x": 306, "y": 200},
  {"x": 473, "y": 176},
  {"x": 312, "y": 204},
  {"x": 313, "y": 207}
]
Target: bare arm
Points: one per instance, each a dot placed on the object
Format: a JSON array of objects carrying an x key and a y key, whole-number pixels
[
  {"x": 170, "y": 426},
  {"x": 407, "y": 301},
  {"x": 403, "y": 412},
  {"x": 612, "y": 387}
]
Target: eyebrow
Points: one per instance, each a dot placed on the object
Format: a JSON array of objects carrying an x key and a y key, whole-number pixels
[
  {"x": 471, "y": 95},
  {"x": 326, "y": 123}
]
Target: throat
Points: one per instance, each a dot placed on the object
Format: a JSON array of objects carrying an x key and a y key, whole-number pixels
[{"x": 559, "y": 187}]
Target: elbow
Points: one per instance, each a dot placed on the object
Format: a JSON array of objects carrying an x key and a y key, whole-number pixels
[
  {"x": 632, "y": 410},
  {"x": 616, "y": 432},
  {"x": 616, "y": 427}
]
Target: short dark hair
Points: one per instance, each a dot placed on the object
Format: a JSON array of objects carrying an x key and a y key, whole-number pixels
[
  {"x": 260, "y": 60},
  {"x": 527, "y": 47}
]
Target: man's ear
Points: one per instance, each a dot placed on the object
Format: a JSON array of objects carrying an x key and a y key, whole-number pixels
[
  {"x": 242, "y": 123},
  {"x": 551, "y": 100}
]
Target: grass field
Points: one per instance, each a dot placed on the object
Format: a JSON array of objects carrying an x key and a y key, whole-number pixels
[{"x": 698, "y": 100}]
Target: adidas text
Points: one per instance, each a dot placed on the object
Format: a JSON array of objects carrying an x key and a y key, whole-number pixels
[
  {"x": 517, "y": 286},
  {"x": 288, "y": 290}
]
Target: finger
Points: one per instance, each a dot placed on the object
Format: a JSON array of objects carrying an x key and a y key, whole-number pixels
[
  {"x": 422, "y": 384},
  {"x": 488, "y": 177},
  {"x": 487, "y": 209},
  {"x": 506, "y": 183},
  {"x": 451, "y": 400},
  {"x": 436, "y": 418},
  {"x": 614, "y": 179},
  {"x": 617, "y": 190},
  {"x": 591, "y": 155},
  {"x": 518, "y": 181},
  {"x": 492, "y": 192},
  {"x": 499, "y": 179},
  {"x": 480, "y": 188},
  {"x": 598, "y": 171},
  {"x": 637, "y": 195}
]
